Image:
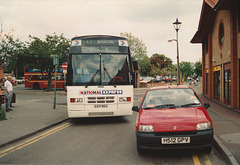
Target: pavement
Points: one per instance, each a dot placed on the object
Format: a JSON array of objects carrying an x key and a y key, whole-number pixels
[
  {"x": 34, "y": 114},
  {"x": 226, "y": 125}
]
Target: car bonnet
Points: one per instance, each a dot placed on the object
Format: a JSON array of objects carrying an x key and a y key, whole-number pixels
[{"x": 174, "y": 119}]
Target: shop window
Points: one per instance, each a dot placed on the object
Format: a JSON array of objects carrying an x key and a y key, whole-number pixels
[
  {"x": 227, "y": 86},
  {"x": 227, "y": 83},
  {"x": 221, "y": 35}
]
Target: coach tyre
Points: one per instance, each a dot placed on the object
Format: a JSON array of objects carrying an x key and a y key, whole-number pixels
[{"x": 36, "y": 86}]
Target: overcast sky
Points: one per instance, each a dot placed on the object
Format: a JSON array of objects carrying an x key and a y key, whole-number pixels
[{"x": 149, "y": 20}]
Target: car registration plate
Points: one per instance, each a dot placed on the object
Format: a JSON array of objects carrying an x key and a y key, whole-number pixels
[{"x": 175, "y": 140}]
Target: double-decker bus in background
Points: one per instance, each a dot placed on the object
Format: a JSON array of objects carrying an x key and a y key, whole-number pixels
[
  {"x": 99, "y": 77},
  {"x": 36, "y": 79}
]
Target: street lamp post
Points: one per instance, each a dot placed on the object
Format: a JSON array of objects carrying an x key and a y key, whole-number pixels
[
  {"x": 170, "y": 67},
  {"x": 177, "y": 26},
  {"x": 55, "y": 63}
]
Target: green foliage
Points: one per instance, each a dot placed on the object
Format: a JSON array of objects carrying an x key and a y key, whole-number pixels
[
  {"x": 198, "y": 68},
  {"x": 48, "y": 90},
  {"x": 2, "y": 114},
  {"x": 186, "y": 69},
  {"x": 160, "y": 65},
  {"x": 40, "y": 51},
  {"x": 138, "y": 51},
  {"x": 11, "y": 50}
]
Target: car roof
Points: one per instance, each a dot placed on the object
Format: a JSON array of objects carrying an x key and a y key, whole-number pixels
[{"x": 170, "y": 87}]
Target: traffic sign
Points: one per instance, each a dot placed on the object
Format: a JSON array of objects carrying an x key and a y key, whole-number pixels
[{"x": 64, "y": 66}]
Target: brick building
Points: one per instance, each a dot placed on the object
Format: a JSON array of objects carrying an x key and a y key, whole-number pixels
[{"x": 219, "y": 33}]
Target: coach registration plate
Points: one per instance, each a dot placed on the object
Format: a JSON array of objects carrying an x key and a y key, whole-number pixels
[
  {"x": 100, "y": 106},
  {"x": 175, "y": 140}
]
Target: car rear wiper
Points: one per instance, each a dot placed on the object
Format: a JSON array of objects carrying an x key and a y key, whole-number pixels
[
  {"x": 190, "y": 104},
  {"x": 166, "y": 106}
]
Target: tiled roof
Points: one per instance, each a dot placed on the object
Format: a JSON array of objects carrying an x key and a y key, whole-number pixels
[
  {"x": 211, "y": 3},
  {"x": 208, "y": 14}
]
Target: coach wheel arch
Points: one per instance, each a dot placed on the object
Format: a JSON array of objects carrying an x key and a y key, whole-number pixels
[{"x": 36, "y": 86}]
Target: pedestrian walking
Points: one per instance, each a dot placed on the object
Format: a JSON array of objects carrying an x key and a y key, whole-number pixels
[
  {"x": 195, "y": 82},
  {"x": 8, "y": 92}
]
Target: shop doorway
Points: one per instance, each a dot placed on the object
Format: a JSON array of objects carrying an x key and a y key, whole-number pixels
[
  {"x": 207, "y": 83},
  {"x": 216, "y": 85},
  {"x": 227, "y": 83}
]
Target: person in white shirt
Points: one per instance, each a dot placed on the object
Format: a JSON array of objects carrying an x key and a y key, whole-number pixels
[
  {"x": 83, "y": 73},
  {"x": 8, "y": 92}
]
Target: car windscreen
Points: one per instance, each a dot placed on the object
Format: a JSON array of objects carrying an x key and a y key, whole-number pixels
[{"x": 170, "y": 98}]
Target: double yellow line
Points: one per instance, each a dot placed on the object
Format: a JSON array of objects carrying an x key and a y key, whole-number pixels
[
  {"x": 205, "y": 157},
  {"x": 33, "y": 140}
]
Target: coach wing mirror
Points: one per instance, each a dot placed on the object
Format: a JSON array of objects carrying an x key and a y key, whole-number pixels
[
  {"x": 135, "y": 108},
  {"x": 206, "y": 105}
]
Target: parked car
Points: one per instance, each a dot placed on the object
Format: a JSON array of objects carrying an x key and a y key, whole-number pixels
[
  {"x": 158, "y": 79},
  {"x": 167, "y": 79},
  {"x": 173, "y": 117},
  {"x": 147, "y": 80},
  {"x": 20, "y": 80},
  {"x": 174, "y": 78}
]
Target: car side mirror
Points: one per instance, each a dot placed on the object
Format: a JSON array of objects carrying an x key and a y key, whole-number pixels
[
  {"x": 206, "y": 105},
  {"x": 135, "y": 108}
]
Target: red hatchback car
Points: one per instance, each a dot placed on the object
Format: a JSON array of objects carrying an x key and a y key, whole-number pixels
[{"x": 173, "y": 117}]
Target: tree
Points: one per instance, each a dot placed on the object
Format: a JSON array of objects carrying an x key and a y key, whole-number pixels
[
  {"x": 10, "y": 50},
  {"x": 198, "y": 68},
  {"x": 187, "y": 69},
  {"x": 138, "y": 51},
  {"x": 39, "y": 53},
  {"x": 160, "y": 65}
]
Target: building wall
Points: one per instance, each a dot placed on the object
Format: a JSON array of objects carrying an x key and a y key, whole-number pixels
[
  {"x": 220, "y": 53},
  {"x": 222, "y": 58},
  {"x": 238, "y": 52}
]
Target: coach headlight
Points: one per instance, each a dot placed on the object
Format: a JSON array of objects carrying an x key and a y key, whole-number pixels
[
  {"x": 145, "y": 128},
  {"x": 204, "y": 126}
]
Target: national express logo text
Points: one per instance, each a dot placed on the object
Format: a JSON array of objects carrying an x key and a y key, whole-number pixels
[{"x": 104, "y": 92}]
